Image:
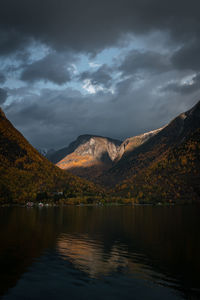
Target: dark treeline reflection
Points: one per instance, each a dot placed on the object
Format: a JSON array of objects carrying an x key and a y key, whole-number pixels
[
  {"x": 160, "y": 244},
  {"x": 24, "y": 234}
]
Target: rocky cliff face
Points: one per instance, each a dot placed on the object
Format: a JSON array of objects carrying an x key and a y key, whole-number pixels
[
  {"x": 90, "y": 155},
  {"x": 99, "y": 148},
  {"x": 88, "y": 144},
  {"x": 133, "y": 142}
]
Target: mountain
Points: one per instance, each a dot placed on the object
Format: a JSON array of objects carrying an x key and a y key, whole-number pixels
[
  {"x": 132, "y": 143},
  {"x": 56, "y": 156},
  {"x": 161, "y": 165},
  {"x": 166, "y": 138},
  {"x": 109, "y": 162},
  {"x": 89, "y": 155},
  {"x": 167, "y": 167},
  {"x": 173, "y": 177},
  {"x": 25, "y": 172}
]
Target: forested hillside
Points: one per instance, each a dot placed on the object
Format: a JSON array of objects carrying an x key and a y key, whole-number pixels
[
  {"x": 174, "y": 177},
  {"x": 24, "y": 173},
  {"x": 171, "y": 136}
]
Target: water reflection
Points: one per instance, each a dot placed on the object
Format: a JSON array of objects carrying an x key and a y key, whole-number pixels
[
  {"x": 121, "y": 245},
  {"x": 161, "y": 244},
  {"x": 89, "y": 256}
]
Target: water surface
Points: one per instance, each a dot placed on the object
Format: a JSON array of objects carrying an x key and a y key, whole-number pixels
[{"x": 137, "y": 252}]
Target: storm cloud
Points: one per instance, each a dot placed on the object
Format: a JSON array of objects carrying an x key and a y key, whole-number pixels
[
  {"x": 187, "y": 87},
  {"x": 92, "y": 25},
  {"x": 148, "y": 61},
  {"x": 187, "y": 57},
  {"x": 53, "y": 119},
  {"x": 113, "y": 68},
  {"x": 52, "y": 68}
]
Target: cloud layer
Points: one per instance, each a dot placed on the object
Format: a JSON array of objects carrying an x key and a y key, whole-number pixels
[{"x": 114, "y": 68}]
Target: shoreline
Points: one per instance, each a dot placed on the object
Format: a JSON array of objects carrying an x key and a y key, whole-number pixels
[{"x": 47, "y": 205}]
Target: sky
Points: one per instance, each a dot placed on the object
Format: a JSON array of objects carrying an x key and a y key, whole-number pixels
[{"x": 114, "y": 68}]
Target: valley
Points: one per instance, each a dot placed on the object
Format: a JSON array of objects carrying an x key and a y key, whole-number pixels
[{"x": 160, "y": 166}]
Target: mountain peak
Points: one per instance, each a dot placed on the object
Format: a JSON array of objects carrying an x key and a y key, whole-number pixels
[
  {"x": 82, "y": 142},
  {"x": 88, "y": 152},
  {"x": 94, "y": 136}
]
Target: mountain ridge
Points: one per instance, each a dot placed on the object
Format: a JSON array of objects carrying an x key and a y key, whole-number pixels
[
  {"x": 25, "y": 173},
  {"x": 81, "y": 160},
  {"x": 57, "y": 155},
  {"x": 129, "y": 156},
  {"x": 133, "y": 142},
  {"x": 160, "y": 165},
  {"x": 91, "y": 155},
  {"x": 173, "y": 177},
  {"x": 169, "y": 136}
]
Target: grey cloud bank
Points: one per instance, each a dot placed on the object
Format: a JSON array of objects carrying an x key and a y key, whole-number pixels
[{"x": 92, "y": 25}]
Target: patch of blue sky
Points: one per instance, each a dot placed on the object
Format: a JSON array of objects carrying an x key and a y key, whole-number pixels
[
  {"x": 109, "y": 55},
  {"x": 106, "y": 56}
]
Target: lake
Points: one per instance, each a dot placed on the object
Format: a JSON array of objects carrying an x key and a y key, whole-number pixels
[{"x": 138, "y": 252}]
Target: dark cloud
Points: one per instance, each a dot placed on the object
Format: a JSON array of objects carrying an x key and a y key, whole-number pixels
[
  {"x": 147, "y": 61},
  {"x": 102, "y": 76},
  {"x": 55, "y": 118},
  {"x": 12, "y": 40},
  {"x": 92, "y": 25},
  {"x": 53, "y": 67},
  {"x": 187, "y": 57},
  {"x": 184, "y": 88},
  {"x": 72, "y": 28},
  {"x": 2, "y": 78},
  {"x": 3, "y": 96}
]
